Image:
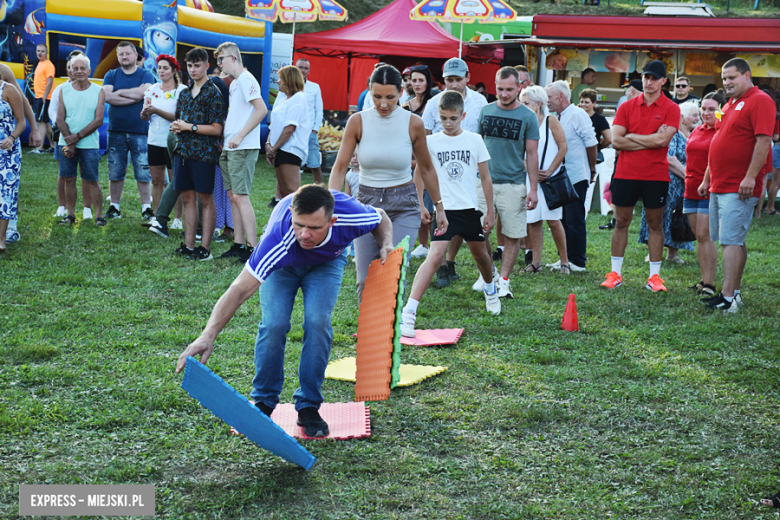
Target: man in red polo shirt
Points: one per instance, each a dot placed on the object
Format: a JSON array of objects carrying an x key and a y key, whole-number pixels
[
  {"x": 642, "y": 129},
  {"x": 739, "y": 158}
]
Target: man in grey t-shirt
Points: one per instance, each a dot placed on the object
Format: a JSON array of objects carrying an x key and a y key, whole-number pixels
[{"x": 511, "y": 133}]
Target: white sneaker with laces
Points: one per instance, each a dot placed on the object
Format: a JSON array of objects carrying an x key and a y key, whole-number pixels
[
  {"x": 575, "y": 268},
  {"x": 503, "y": 289},
  {"x": 492, "y": 303},
  {"x": 87, "y": 213},
  {"x": 420, "y": 252},
  {"x": 407, "y": 324},
  {"x": 556, "y": 266},
  {"x": 176, "y": 224},
  {"x": 480, "y": 283}
]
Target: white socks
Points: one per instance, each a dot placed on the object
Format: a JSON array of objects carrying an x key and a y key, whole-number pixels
[
  {"x": 144, "y": 207},
  {"x": 617, "y": 264},
  {"x": 411, "y": 306},
  {"x": 114, "y": 204},
  {"x": 655, "y": 268},
  {"x": 490, "y": 288}
]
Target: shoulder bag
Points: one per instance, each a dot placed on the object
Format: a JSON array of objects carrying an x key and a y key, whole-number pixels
[{"x": 558, "y": 190}]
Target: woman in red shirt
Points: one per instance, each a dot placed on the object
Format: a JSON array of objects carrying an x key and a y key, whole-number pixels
[{"x": 698, "y": 208}]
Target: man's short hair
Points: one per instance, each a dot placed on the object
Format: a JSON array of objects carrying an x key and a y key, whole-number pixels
[
  {"x": 508, "y": 72},
  {"x": 741, "y": 65},
  {"x": 229, "y": 48},
  {"x": 125, "y": 43},
  {"x": 451, "y": 100},
  {"x": 302, "y": 59},
  {"x": 591, "y": 94},
  {"x": 309, "y": 198},
  {"x": 197, "y": 55},
  {"x": 521, "y": 68},
  {"x": 685, "y": 79},
  {"x": 74, "y": 53},
  {"x": 561, "y": 87},
  {"x": 80, "y": 57},
  {"x": 41, "y": 45},
  {"x": 587, "y": 71}
]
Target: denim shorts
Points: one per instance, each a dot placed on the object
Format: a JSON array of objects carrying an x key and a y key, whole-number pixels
[
  {"x": 776, "y": 156},
  {"x": 119, "y": 144},
  {"x": 89, "y": 158},
  {"x": 696, "y": 206},
  {"x": 313, "y": 159},
  {"x": 730, "y": 218}
]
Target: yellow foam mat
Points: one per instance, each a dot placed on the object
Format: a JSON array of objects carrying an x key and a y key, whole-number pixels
[{"x": 345, "y": 369}]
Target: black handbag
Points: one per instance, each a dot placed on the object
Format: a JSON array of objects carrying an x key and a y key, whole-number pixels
[
  {"x": 681, "y": 227},
  {"x": 558, "y": 190}
]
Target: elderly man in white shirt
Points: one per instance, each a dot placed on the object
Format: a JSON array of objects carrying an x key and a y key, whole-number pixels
[
  {"x": 314, "y": 97},
  {"x": 580, "y": 165}
]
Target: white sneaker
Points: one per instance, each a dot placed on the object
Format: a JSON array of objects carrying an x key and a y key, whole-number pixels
[
  {"x": 176, "y": 224},
  {"x": 738, "y": 299},
  {"x": 420, "y": 252},
  {"x": 407, "y": 324},
  {"x": 492, "y": 303},
  {"x": 61, "y": 212},
  {"x": 576, "y": 269},
  {"x": 503, "y": 289},
  {"x": 556, "y": 266},
  {"x": 87, "y": 213},
  {"x": 480, "y": 283}
]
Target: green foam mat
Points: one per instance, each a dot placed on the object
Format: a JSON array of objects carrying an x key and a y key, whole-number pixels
[{"x": 395, "y": 375}]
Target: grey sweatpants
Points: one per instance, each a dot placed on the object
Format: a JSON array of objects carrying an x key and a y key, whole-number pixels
[{"x": 402, "y": 207}]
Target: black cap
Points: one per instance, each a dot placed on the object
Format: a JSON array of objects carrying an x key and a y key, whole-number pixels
[
  {"x": 655, "y": 68},
  {"x": 636, "y": 83}
]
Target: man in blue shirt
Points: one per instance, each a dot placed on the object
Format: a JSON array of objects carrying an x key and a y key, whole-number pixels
[
  {"x": 302, "y": 248},
  {"x": 124, "y": 89}
]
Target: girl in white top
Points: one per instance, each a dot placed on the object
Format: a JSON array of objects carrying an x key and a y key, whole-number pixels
[
  {"x": 288, "y": 142},
  {"x": 552, "y": 136},
  {"x": 159, "y": 109},
  {"x": 386, "y": 135}
]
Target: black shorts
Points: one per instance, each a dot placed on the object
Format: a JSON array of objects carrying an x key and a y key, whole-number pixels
[
  {"x": 190, "y": 174},
  {"x": 41, "y": 110},
  {"x": 626, "y": 193},
  {"x": 283, "y": 157},
  {"x": 465, "y": 223},
  {"x": 158, "y": 156}
]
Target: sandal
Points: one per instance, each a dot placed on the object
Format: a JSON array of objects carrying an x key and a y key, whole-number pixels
[
  {"x": 100, "y": 222},
  {"x": 565, "y": 269},
  {"x": 697, "y": 287},
  {"x": 533, "y": 269},
  {"x": 67, "y": 221},
  {"x": 773, "y": 212},
  {"x": 707, "y": 289},
  {"x": 775, "y": 501}
]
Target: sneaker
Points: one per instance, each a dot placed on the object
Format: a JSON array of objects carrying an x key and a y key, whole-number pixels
[
  {"x": 217, "y": 236},
  {"x": 655, "y": 284},
  {"x": 233, "y": 252},
  {"x": 721, "y": 303},
  {"x": 200, "y": 253},
  {"x": 87, "y": 213},
  {"x": 61, "y": 211},
  {"x": 529, "y": 257},
  {"x": 608, "y": 225},
  {"x": 245, "y": 253},
  {"x": 49, "y": 150},
  {"x": 613, "y": 280},
  {"x": 264, "y": 408},
  {"x": 556, "y": 266},
  {"x": 183, "y": 250},
  {"x": 113, "y": 213},
  {"x": 738, "y": 300},
  {"x": 451, "y": 274},
  {"x": 407, "y": 324},
  {"x": 313, "y": 425},
  {"x": 273, "y": 203},
  {"x": 177, "y": 224},
  {"x": 442, "y": 276},
  {"x": 575, "y": 268},
  {"x": 147, "y": 214},
  {"x": 480, "y": 283},
  {"x": 159, "y": 228},
  {"x": 420, "y": 252},
  {"x": 503, "y": 289},
  {"x": 497, "y": 254},
  {"x": 149, "y": 223},
  {"x": 492, "y": 303},
  {"x": 35, "y": 151}
]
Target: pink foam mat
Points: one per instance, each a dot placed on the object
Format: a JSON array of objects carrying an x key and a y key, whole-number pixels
[
  {"x": 431, "y": 337},
  {"x": 345, "y": 420}
]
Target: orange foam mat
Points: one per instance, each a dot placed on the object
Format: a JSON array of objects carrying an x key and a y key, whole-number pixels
[
  {"x": 345, "y": 420},
  {"x": 431, "y": 337},
  {"x": 376, "y": 327}
]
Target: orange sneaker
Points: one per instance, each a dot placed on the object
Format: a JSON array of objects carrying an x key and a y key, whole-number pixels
[
  {"x": 613, "y": 280},
  {"x": 655, "y": 284}
]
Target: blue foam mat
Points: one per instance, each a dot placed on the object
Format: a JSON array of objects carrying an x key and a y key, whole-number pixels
[{"x": 219, "y": 397}]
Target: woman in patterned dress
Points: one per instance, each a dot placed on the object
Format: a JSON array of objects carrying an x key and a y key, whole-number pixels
[{"x": 12, "y": 124}]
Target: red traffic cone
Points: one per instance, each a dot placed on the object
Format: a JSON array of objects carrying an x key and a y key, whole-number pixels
[{"x": 570, "y": 322}]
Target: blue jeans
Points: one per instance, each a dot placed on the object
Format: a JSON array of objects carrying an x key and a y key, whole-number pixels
[
  {"x": 119, "y": 144},
  {"x": 320, "y": 284},
  {"x": 574, "y": 226}
]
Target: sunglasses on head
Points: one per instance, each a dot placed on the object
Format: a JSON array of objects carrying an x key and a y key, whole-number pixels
[
  {"x": 417, "y": 68},
  {"x": 380, "y": 64}
]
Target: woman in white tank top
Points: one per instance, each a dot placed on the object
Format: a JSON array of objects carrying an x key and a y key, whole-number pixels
[
  {"x": 552, "y": 137},
  {"x": 385, "y": 138}
]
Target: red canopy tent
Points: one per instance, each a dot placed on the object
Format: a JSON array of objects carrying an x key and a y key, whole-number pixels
[{"x": 342, "y": 59}]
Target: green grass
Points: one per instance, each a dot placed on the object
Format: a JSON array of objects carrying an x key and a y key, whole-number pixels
[{"x": 656, "y": 409}]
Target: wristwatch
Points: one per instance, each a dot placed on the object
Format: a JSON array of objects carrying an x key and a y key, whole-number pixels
[{"x": 194, "y": 129}]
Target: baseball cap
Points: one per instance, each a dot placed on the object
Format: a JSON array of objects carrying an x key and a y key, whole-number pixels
[
  {"x": 407, "y": 72},
  {"x": 655, "y": 68},
  {"x": 636, "y": 83},
  {"x": 455, "y": 67}
]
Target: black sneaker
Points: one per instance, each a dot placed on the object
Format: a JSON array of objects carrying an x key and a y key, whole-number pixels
[
  {"x": 313, "y": 425},
  {"x": 244, "y": 253},
  {"x": 264, "y": 408},
  {"x": 529, "y": 257},
  {"x": 497, "y": 254},
  {"x": 147, "y": 214},
  {"x": 113, "y": 213},
  {"x": 608, "y": 225},
  {"x": 183, "y": 250},
  {"x": 200, "y": 253},
  {"x": 443, "y": 276},
  {"x": 273, "y": 203},
  {"x": 451, "y": 274},
  {"x": 160, "y": 228},
  {"x": 233, "y": 252},
  {"x": 719, "y": 302}
]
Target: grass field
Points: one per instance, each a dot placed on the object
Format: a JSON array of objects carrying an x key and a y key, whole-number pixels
[{"x": 656, "y": 409}]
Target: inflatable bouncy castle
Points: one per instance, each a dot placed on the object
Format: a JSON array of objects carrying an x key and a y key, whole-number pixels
[{"x": 97, "y": 26}]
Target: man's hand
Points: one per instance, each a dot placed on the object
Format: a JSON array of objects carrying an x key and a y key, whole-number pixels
[
  {"x": 490, "y": 220},
  {"x": 69, "y": 151},
  {"x": 531, "y": 200},
  {"x": 746, "y": 188},
  {"x": 235, "y": 142},
  {"x": 72, "y": 139},
  {"x": 176, "y": 126},
  {"x": 661, "y": 129},
  {"x": 385, "y": 250},
  {"x": 593, "y": 176},
  {"x": 200, "y": 346},
  {"x": 425, "y": 216},
  {"x": 542, "y": 175},
  {"x": 441, "y": 223},
  {"x": 704, "y": 188}
]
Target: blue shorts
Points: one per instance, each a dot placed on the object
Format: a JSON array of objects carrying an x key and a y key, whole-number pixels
[
  {"x": 313, "y": 159},
  {"x": 696, "y": 206},
  {"x": 88, "y": 158},
  {"x": 776, "y": 156},
  {"x": 190, "y": 174},
  {"x": 120, "y": 144}
]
